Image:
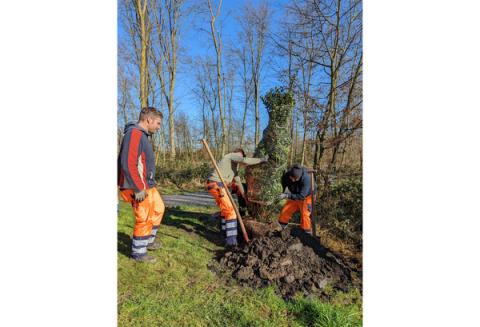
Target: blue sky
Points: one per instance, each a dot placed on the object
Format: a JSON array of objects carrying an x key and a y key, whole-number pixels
[{"x": 198, "y": 43}]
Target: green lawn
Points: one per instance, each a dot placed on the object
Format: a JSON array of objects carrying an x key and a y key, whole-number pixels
[{"x": 179, "y": 289}]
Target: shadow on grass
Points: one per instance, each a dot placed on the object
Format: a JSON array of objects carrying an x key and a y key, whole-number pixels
[
  {"x": 124, "y": 243},
  {"x": 305, "y": 313},
  {"x": 193, "y": 222},
  {"x": 186, "y": 220}
]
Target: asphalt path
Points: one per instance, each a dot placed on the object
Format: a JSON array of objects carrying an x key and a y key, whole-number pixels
[{"x": 194, "y": 199}]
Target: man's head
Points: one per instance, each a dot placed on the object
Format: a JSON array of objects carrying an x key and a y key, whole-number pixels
[
  {"x": 295, "y": 173},
  {"x": 150, "y": 119}
]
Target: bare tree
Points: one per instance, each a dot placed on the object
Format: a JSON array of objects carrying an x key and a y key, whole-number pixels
[
  {"x": 206, "y": 90},
  {"x": 184, "y": 136},
  {"x": 307, "y": 70},
  {"x": 254, "y": 23},
  {"x": 130, "y": 62},
  {"x": 166, "y": 17},
  {"x": 123, "y": 96},
  {"x": 327, "y": 47},
  {"x": 247, "y": 88},
  {"x": 217, "y": 42},
  {"x": 228, "y": 87},
  {"x": 140, "y": 30}
]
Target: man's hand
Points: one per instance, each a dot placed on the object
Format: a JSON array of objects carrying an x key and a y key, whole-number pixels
[
  {"x": 140, "y": 196},
  {"x": 283, "y": 196},
  {"x": 265, "y": 159}
]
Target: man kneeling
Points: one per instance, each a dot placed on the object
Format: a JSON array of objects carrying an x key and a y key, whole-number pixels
[{"x": 297, "y": 180}]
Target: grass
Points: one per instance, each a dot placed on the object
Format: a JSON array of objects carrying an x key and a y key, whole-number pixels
[{"x": 179, "y": 289}]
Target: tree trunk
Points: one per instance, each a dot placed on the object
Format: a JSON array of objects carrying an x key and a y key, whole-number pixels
[
  {"x": 141, "y": 10},
  {"x": 264, "y": 180},
  {"x": 218, "y": 51},
  {"x": 243, "y": 123},
  {"x": 257, "y": 116}
]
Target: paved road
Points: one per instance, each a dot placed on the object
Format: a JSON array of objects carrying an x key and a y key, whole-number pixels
[{"x": 198, "y": 199}]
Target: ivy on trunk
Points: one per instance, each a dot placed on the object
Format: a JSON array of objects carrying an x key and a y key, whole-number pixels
[{"x": 264, "y": 181}]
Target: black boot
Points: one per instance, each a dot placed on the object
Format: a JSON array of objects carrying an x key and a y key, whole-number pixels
[
  {"x": 145, "y": 258},
  {"x": 154, "y": 246}
]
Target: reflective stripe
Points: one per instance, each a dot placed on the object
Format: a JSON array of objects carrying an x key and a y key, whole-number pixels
[
  {"x": 231, "y": 232},
  {"x": 139, "y": 250},
  {"x": 223, "y": 224},
  {"x": 231, "y": 224},
  {"x": 154, "y": 233},
  {"x": 283, "y": 225},
  {"x": 139, "y": 243},
  {"x": 141, "y": 237}
]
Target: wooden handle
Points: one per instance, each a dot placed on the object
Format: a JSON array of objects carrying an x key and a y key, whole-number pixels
[{"x": 245, "y": 235}]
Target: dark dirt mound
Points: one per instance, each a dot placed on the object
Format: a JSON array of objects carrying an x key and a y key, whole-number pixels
[
  {"x": 290, "y": 259},
  {"x": 258, "y": 229}
]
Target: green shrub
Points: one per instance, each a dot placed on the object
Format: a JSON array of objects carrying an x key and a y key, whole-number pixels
[
  {"x": 187, "y": 175},
  {"x": 340, "y": 209}
]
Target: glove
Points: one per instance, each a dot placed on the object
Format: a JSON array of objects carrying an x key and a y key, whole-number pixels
[
  {"x": 265, "y": 159},
  {"x": 140, "y": 196},
  {"x": 283, "y": 196}
]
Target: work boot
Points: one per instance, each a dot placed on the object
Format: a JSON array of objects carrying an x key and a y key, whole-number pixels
[
  {"x": 231, "y": 247},
  {"x": 154, "y": 246},
  {"x": 145, "y": 258}
]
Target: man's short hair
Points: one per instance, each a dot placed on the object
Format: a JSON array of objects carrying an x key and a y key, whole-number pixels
[
  {"x": 241, "y": 151},
  {"x": 149, "y": 112}
]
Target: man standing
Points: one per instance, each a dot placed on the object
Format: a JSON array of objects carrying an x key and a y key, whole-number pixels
[
  {"x": 299, "y": 197},
  {"x": 136, "y": 180},
  {"x": 228, "y": 167}
]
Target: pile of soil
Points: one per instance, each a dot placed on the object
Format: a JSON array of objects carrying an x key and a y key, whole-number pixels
[{"x": 290, "y": 259}]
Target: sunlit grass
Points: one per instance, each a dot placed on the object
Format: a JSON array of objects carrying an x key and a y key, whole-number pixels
[{"x": 179, "y": 289}]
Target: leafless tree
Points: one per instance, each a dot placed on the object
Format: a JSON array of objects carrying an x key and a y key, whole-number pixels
[
  {"x": 139, "y": 28},
  {"x": 166, "y": 17},
  {"x": 206, "y": 89},
  {"x": 254, "y": 24},
  {"x": 247, "y": 86},
  {"x": 328, "y": 49},
  {"x": 217, "y": 42}
]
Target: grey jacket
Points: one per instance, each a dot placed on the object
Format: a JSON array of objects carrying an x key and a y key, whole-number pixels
[{"x": 228, "y": 167}]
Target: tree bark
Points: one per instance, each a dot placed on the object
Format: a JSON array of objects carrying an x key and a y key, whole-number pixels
[{"x": 142, "y": 19}]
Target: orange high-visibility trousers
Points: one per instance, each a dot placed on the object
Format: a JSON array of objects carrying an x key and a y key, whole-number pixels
[
  {"x": 227, "y": 212},
  {"x": 292, "y": 206},
  {"x": 148, "y": 216},
  {"x": 221, "y": 198}
]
